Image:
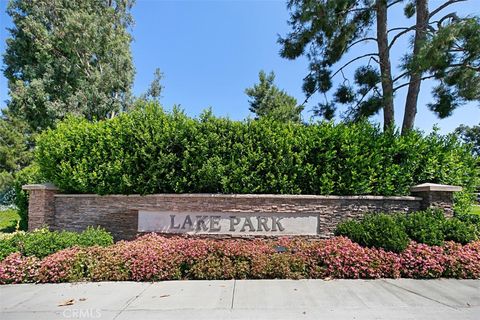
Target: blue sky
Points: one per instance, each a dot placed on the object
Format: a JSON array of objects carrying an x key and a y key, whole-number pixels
[{"x": 210, "y": 51}]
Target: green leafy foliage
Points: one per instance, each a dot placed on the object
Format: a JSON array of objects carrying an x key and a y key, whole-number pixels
[
  {"x": 471, "y": 219},
  {"x": 150, "y": 151},
  {"x": 15, "y": 154},
  {"x": 393, "y": 232},
  {"x": 41, "y": 243},
  {"x": 470, "y": 135},
  {"x": 154, "y": 91},
  {"x": 452, "y": 55},
  {"x": 14, "y": 145},
  {"x": 375, "y": 230},
  {"x": 266, "y": 100},
  {"x": 67, "y": 57},
  {"x": 352, "y": 229},
  {"x": 344, "y": 94},
  {"x": 425, "y": 226},
  {"x": 6, "y": 248},
  {"x": 7, "y": 194},
  {"x": 409, "y": 9},
  {"x": 460, "y": 231},
  {"x": 93, "y": 237}
]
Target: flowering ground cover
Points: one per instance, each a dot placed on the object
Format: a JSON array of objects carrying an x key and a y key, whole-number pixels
[{"x": 153, "y": 257}]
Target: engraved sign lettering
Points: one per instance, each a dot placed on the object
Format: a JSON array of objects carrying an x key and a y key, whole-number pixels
[{"x": 233, "y": 223}]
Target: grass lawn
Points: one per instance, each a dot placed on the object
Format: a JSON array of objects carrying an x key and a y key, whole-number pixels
[
  {"x": 475, "y": 210},
  {"x": 8, "y": 220}
]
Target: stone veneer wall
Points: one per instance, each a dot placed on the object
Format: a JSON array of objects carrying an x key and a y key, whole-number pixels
[
  {"x": 119, "y": 213},
  {"x": 439, "y": 199},
  {"x": 41, "y": 205}
]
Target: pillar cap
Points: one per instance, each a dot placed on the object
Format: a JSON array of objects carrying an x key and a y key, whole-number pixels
[
  {"x": 435, "y": 187},
  {"x": 41, "y": 186}
]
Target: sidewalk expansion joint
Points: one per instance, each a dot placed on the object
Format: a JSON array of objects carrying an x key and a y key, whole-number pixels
[
  {"x": 421, "y": 295},
  {"x": 129, "y": 302},
  {"x": 233, "y": 293}
]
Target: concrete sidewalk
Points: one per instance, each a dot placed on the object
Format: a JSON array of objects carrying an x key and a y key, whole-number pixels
[{"x": 245, "y": 299}]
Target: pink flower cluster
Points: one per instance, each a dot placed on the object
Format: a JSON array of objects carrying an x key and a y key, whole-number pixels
[
  {"x": 18, "y": 269},
  {"x": 62, "y": 266},
  {"x": 153, "y": 257}
]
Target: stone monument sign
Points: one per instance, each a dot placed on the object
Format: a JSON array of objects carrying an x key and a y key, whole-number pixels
[{"x": 229, "y": 223}]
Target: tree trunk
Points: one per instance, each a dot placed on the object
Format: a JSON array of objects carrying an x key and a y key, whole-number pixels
[
  {"x": 385, "y": 68},
  {"x": 415, "y": 76}
]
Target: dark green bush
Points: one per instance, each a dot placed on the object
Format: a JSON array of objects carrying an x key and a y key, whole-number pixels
[
  {"x": 150, "y": 151},
  {"x": 459, "y": 231},
  {"x": 394, "y": 232},
  {"x": 94, "y": 237},
  {"x": 352, "y": 229},
  {"x": 383, "y": 232},
  {"x": 375, "y": 230},
  {"x": 6, "y": 247},
  {"x": 473, "y": 220},
  {"x": 424, "y": 226},
  {"x": 42, "y": 242}
]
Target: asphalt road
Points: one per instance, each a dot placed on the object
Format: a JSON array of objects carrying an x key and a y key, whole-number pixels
[{"x": 245, "y": 299}]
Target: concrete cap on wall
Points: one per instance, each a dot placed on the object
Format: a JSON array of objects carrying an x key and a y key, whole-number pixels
[
  {"x": 42, "y": 186},
  {"x": 435, "y": 187}
]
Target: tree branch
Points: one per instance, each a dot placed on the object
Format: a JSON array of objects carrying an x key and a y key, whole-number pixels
[
  {"x": 407, "y": 83},
  {"x": 398, "y": 28},
  {"x": 443, "y": 6},
  {"x": 359, "y": 41},
  {"x": 400, "y": 76},
  {"x": 468, "y": 66},
  {"x": 398, "y": 35},
  {"x": 305, "y": 101},
  {"x": 351, "y": 9},
  {"x": 371, "y": 55},
  {"x": 452, "y": 15},
  {"x": 353, "y": 60},
  {"x": 394, "y": 3},
  {"x": 366, "y": 93}
]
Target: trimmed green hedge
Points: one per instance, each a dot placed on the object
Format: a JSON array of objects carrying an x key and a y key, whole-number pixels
[
  {"x": 394, "y": 232},
  {"x": 375, "y": 230},
  {"x": 41, "y": 243},
  {"x": 151, "y": 151}
]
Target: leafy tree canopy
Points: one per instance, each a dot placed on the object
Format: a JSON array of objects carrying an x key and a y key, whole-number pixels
[
  {"x": 470, "y": 135},
  {"x": 14, "y": 145},
  {"x": 15, "y": 153},
  {"x": 68, "y": 57}
]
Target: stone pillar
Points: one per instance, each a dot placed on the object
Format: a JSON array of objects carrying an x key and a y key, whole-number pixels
[
  {"x": 41, "y": 205},
  {"x": 436, "y": 196}
]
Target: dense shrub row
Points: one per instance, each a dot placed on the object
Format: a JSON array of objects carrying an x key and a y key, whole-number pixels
[
  {"x": 394, "y": 232},
  {"x": 41, "y": 243},
  {"x": 150, "y": 151},
  {"x": 153, "y": 257}
]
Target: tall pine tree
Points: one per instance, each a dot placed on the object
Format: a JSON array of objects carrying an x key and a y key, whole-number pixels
[
  {"x": 267, "y": 100},
  {"x": 445, "y": 47}
]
